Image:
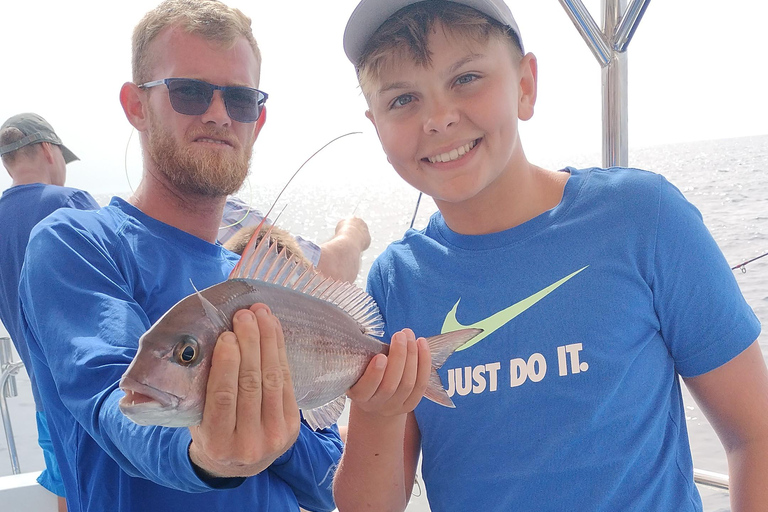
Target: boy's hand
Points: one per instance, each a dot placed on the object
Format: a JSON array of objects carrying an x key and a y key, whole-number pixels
[
  {"x": 250, "y": 416},
  {"x": 394, "y": 384}
]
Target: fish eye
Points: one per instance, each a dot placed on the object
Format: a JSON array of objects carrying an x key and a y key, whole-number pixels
[{"x": 187, "y": 351}]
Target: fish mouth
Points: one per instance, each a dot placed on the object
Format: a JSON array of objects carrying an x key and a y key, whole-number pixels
[{"x": 138, "y": 395}]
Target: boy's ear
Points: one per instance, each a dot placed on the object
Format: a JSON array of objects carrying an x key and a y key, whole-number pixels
[
  {"x": 527, "y": 87},
  {"x": 369, "y": 115},
  {"x": 131, "y": 98}
]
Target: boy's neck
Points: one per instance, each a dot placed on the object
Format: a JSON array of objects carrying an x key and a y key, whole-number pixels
[{"x": 515, "y": 199}]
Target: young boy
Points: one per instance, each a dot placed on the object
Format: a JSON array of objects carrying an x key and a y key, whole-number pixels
[{"x": 595, "y": 290}]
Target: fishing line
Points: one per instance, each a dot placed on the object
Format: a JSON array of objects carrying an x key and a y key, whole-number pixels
[
  {"x": 418, "y": 201},
  {"x": 743, "y": 266},
  {"x": 305, "y": 163},
  {"x": 125, "y": 161}
]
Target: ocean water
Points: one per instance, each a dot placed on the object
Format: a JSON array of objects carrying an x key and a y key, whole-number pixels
[{"x": 726, "y": 179}]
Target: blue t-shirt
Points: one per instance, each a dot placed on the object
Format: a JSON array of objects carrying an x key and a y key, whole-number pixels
[
  {"x": 93, "y": 283},
  {"x": 570, "y": 399},
  {"x": 21, "y": 207}
]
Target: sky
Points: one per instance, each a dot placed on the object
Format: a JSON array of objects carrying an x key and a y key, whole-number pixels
[{"x": 696, "y": 72}]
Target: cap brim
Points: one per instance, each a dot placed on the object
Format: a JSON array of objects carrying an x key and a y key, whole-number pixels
[{"x": 68, "y": 155}]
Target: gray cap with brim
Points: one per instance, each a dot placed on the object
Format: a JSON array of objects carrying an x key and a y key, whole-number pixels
[
  {"x": 35, "y": 130},
  {"x": 369, "y": 15}
]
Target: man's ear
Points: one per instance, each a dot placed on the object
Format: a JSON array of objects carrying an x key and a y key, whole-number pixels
[
  {"x": 527, "y": 87},
  {"x": 47, "y": 150},
  {"x": 132, "y": 99},
  {"x": 260, "y": 122}
]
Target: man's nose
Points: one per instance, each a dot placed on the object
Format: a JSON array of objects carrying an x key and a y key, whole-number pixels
[{"x": 217, "y": 111}]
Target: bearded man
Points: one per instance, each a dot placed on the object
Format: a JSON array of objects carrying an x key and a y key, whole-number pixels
[{"x": 93, "y": 282}]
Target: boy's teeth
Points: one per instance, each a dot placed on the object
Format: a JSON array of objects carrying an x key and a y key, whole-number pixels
[{"x": 453, "y": 154}]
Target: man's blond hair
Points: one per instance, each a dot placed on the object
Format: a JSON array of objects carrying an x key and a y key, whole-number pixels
[
  {"x": 406, "y": 35},
  {"x": 209, "y": 19}
]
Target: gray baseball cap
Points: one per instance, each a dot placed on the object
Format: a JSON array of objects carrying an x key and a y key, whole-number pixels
[
  {"x": 35, "y": 129},
  {"x": 369, "y": 15}
]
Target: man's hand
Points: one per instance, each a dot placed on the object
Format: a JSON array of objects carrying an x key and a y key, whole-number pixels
[
  {"x": 250, "y": 416},
  {"x": 340, "y": 257},
  {"x": 356, "y": 230}
]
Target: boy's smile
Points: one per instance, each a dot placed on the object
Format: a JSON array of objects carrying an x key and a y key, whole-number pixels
[{"x": 450, "y": 128}]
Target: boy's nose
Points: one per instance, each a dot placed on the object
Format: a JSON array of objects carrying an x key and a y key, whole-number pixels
[
  {"x": 217, "y": 111},
  {"x": 440, "y": 117}
]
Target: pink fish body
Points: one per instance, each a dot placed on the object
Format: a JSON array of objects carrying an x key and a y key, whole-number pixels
[{"x": 329, "y": 329}]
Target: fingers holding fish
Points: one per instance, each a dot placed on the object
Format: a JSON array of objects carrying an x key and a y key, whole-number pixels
[
  {"x": 221, "y": 392},
  {"x": 396, "y": 386},
  {"x": 246, "y": 425},
  {"x": 279, "y": 413},
  {"x": 423, "y": 368}
]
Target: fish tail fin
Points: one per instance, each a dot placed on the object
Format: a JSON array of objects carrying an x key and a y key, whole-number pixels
[{"x": 441, "y": 347}]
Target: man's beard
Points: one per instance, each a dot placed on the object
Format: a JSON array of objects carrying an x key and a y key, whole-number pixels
[{"x": 203, "y": 173}]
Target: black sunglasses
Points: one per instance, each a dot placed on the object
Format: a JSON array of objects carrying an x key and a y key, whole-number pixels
[{"x": 193, "y": 97}]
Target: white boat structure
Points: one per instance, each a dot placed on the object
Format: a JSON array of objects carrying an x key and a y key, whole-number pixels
[{"x": 21, "y": 492}]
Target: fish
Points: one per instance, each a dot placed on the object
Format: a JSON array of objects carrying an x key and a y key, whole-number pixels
[{"x": 330, "y": 328}]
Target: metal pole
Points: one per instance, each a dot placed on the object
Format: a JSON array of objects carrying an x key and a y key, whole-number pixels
[
  {"x": 626, "y": 28},
  {"x": 615, "y": 122},
  {"x": 589, "y": 30},
  {"x": 8, "y": 371},
  {"x": 710, "y": 478},
  {"x": 6, "y": 358}
]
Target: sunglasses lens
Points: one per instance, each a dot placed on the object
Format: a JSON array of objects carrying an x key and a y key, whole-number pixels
[
  {"x": 242, "y": 104},
  {"x": 190, "y": 97}
]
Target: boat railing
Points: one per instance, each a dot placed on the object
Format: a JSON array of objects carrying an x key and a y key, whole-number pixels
[
  {"x": 8, "y": 371},
  {"x": 609, "y": 46}
]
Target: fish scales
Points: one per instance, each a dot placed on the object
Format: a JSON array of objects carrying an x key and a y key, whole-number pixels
[
  {"x": 328, "y": 328},
  {"x": 327, "y": 351}
]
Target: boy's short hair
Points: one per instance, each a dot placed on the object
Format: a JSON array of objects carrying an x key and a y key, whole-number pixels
[
  {"x": 406, "y": 32},
  {"x": 209, "y": 19}
]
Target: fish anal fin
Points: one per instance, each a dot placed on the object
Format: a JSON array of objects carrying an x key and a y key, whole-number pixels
[{"x": 325, "y": 415}]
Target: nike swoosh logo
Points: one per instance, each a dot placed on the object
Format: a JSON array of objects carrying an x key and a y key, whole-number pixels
[{"x": 496, "y": 321}]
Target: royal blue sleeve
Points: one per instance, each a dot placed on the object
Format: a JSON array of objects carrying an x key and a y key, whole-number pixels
[
  {"x": 83, "y": 325},
  {"x": 704, "y": 318},
  {"x": 82, "y": 200},
  {"x": 309, "y": 465}
]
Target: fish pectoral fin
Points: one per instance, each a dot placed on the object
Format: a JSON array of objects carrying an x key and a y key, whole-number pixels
[{"x": 325, "y": 415}]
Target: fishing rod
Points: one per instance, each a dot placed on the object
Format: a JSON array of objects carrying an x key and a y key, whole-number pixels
[{"x": 743, "y": 266}]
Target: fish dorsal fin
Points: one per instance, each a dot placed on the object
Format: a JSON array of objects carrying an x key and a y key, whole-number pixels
[
  {"x": 263, "y": 261},
  {"x": 325, "y": 415},
  {"x": 214, "y": 314}
]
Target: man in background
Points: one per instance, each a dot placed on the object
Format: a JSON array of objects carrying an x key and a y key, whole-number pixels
[{"x": 36, "y": 160}]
